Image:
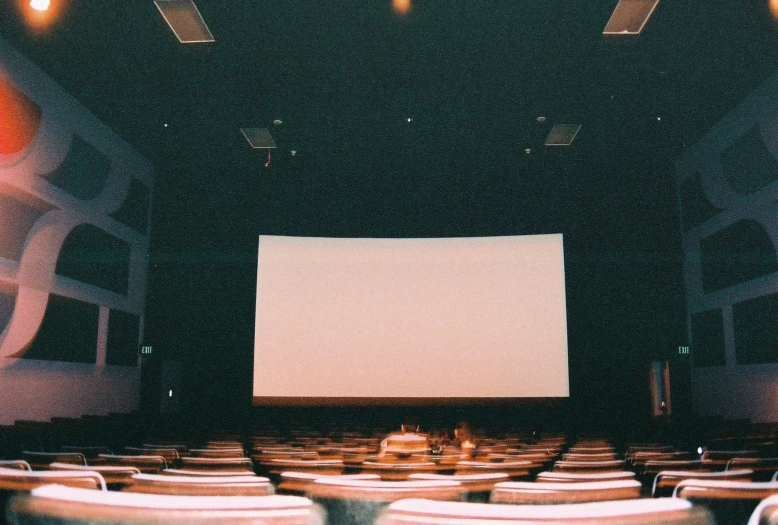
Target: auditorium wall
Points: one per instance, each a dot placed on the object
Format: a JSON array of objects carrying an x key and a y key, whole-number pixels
[
  {"x": 728, "y": 196},
  {"x": 75, "y": 202}
]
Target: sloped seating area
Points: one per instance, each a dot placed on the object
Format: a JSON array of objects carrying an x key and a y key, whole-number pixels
[{"x": 346, "y": 477}]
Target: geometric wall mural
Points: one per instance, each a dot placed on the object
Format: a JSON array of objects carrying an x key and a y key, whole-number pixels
[
  {"x": 727, "y": 187},
  {"x": 75, "y": 203}
]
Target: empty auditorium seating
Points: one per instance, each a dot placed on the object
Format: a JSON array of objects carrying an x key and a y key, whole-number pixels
[
  {"x": 200, "y": 485},
  {"x": 358, "y": 502},
  {"x": 667, "y": 511},
  {"x": 228, "y": 464},
  {"x": 666, "y": 480},
  {"x": 146, "y": 464},
  {"x": 730, "y": 501},
  {"x": 516, "y": 470},
  {"x": 578, "y": 477},
  {"x": 399, "y": 471},
  {"x": 65, "y": 505},
  {"x": 116, "y": 477},
  {"x": 300, "y": 482},
  {"x": 17, "y": 464},
  {"x": 477, "y": 487},
  {"x": 547, "y": 492},
  {"x": 41, "y": 460},
  {"x": 764, "y": 468}
]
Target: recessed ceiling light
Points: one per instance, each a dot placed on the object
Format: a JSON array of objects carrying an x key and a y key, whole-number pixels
[
  {"x": 541, "y": 119},
  {"x": 40, "y": 5},
  {"x": 278, "y": 122},
  {"x": 528, "y": 151},
  {"x": 409, "y": 119}
]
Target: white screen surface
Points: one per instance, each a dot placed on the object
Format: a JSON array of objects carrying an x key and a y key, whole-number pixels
[{"x": 372, "y": 319}]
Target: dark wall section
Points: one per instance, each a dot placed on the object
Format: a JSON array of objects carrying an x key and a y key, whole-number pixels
[{"x": 68, "y": 332}]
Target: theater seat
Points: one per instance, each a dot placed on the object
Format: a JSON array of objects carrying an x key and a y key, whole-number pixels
[
  {"x": 730, "y": 501},
  {"x": 146, "y": 464},
  {"x": 358, "y": 502},
  {"x": 116, "y": 477},
  {"x": 579, "y": 477},
  {"x": 524, "y": 493},
  {"x": 665, "y": 511},
  {"x": 666, "y": 480},
  {"x": 478, "y": 487},
  {"x": 55, "y": 504},
  {"x": 15, "y": 464},
  {"x": 200, "y": 485},
  {"x": 299, "y": 482},
  {"x": 42, "y": 460}
]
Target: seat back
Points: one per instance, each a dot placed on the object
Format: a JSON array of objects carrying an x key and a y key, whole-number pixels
[
  {"x": 579, "y": 477},
  {"x": 666, "y": 480},
  {"x": 146, "y": 464},
  {"x": 358, "y": 502},
  {"x": 730, "y": 501},
  {"x": 478, "y": 487},
  {"x": 200, "y": 485},
  {"x": 65, "y": 505},
  {"x": 16, "y": 464},
  {"x": 116, "y": 477},
  {"x": 42, "y": 460},
  {"x": 523, "y": 493},
  {"x": 300, "y": 482},
  {"x": 665, "y": 511}
]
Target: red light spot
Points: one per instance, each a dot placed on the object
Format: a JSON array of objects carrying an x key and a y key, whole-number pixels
[{"x": 20, "y": 119}]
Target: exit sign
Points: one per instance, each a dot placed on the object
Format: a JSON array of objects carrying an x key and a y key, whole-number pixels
[
  {"x": 146, "y": 350},
  {"x": 684, "y": 350}
]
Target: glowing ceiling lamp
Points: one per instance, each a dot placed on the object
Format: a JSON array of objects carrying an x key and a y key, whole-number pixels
[{"x": 40, "y": 5}]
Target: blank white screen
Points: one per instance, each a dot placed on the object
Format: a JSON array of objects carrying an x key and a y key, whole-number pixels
[{"x": 410, "y": 318}]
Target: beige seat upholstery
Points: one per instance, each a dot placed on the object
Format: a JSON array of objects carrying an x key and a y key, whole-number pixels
[
  {"x": 579, "y": 477},
  {"x": 523, "y": 493},
  {"x": 358, "y": 502},
  {"x": 666, "y": 480},
  {"x": 400, "y": 471},
  {"x": 217, "y": 464},
  {"x": 729, "y": 501},
  {"x": 42, "y": 460},
  {"x": 116, "y": 477},
  {"x": 65, "y": 505},
  {"x": 146, "y": 464},
  {"x": 16, "y": 464},
  {"x": 665, "y": 511},
  {"x": 300, "y": 482},
  {"x": 478, "y": 487},
  {"x": 589, "y": 466},
  {"x": 26, "y": 480},
  {"x": 200, "y": 485},
  {"x": 516, "y": 470}
]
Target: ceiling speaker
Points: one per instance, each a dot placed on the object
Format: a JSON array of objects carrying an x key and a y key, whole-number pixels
[
  {"x": 562, "y": 134},
  {"x": 184, "y": 19},
  {"x": 259, "y": 138},
  {"x": 629, "y": 17}
]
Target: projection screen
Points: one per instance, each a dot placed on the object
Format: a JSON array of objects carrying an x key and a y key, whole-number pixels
[{"x": 409, "y": 321}]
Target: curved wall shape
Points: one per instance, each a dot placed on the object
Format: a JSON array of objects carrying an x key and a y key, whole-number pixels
[
  {"x": 74, "y": 207},
  {"x": 736, "y": 254},
  {"x": 748, "y": 165}
]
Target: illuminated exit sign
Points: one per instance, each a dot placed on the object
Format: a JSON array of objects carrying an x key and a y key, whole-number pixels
[
  {"x": 146, "y": 350},
  {"x": 684, "y": 350}
]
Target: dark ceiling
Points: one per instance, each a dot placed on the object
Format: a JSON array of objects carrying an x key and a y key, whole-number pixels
[{"x": 345, "y": 76}]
